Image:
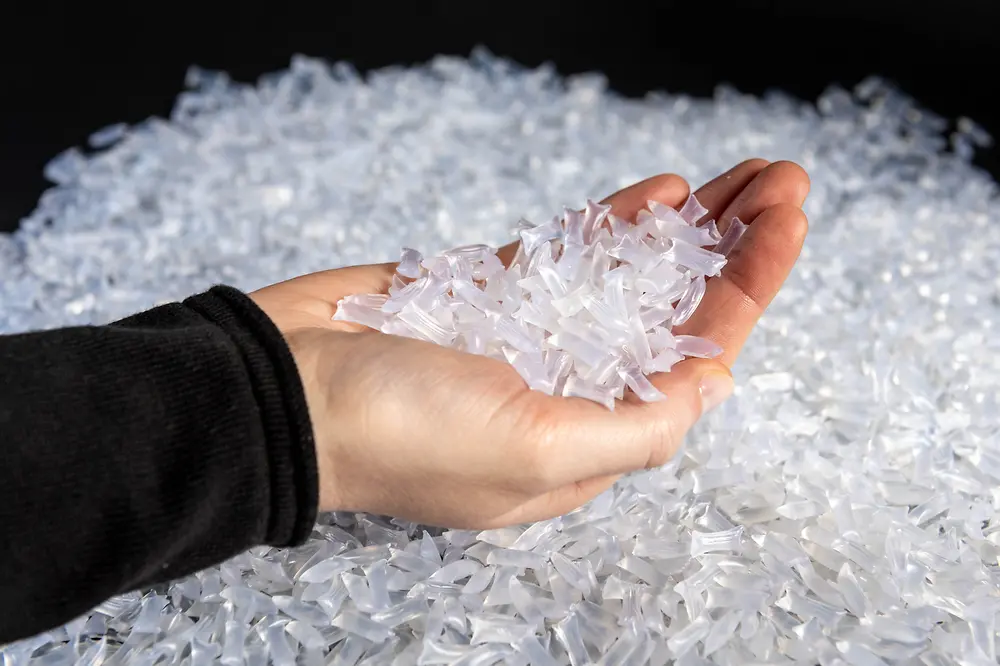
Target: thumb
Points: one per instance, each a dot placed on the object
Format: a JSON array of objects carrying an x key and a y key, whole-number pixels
[
  {"x": 637, "y": 435},
  {"x": 693, "y": 388},
  {"x": 586, "y": 441}
]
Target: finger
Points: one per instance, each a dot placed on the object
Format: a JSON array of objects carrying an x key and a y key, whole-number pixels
[
  {"x": 781, "y": 182},
  {"x": 668, "y": 189},
  {"x": 692, "y": 388},
  {"x": 720, "y": 192},
  {"x": 578, "y": 439},
  {"x": 759, "y": 265},
  {"x": 761, "y": 261},
  {"x": 555, "y": 503}
]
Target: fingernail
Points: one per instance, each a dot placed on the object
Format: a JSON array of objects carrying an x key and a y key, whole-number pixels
[{"x": 715, "y": 389}]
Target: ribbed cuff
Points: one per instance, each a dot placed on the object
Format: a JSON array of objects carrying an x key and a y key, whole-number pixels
[{"x": 284, "y": 413}]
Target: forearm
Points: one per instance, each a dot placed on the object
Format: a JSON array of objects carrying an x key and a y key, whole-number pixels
[{"x": 145, "y": 450}]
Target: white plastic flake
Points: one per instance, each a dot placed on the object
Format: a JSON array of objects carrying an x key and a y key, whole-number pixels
[{"x": 841, "y": 509}]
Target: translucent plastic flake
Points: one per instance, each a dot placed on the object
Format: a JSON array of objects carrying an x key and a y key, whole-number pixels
[
  {"x": 732, "y": 236},
  {"x": 840, "y": 509}
]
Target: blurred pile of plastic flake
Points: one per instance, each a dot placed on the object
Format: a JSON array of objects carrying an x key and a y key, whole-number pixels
[{"x": 842, "y": 508}]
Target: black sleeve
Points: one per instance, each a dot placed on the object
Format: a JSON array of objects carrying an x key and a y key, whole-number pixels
[{"x": 145, "y": 450}]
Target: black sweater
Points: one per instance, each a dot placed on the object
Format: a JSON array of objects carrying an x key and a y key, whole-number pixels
[{"x": 145, "y": 450}]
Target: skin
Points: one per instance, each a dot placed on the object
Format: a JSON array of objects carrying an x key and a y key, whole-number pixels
[{"x": 413, "y": 430}]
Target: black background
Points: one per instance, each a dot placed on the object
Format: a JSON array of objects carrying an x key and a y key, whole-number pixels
[{"x": 67, "y": 69}]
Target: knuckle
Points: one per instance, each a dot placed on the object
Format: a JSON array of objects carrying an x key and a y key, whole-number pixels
[
  {"x": 795, "y": 178},
  {"x": 663, "y": 442},
  {"x": 794, "y": 225},
  {"x": 537, "y": 470}
]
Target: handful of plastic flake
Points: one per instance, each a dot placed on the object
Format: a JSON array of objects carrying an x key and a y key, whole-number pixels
[{"x": 587, "y": 307}]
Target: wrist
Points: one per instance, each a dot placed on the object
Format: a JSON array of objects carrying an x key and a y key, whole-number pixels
[{"x": 311, "y": 349}]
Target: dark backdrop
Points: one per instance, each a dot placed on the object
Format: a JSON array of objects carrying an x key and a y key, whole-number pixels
[{"x": 67, "y": 69}]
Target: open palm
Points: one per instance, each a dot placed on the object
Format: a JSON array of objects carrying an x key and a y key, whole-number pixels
[{"x": 414, "y": 430}]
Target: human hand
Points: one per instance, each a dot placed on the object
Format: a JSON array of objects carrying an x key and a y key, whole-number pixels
[{"x": 418, "y": 431}]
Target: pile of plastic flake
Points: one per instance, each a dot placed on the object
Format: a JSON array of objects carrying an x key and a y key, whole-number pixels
[
  {"x": 842, "y": 508},
  {"x": 586, "y": 308}
]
